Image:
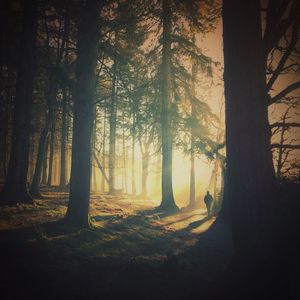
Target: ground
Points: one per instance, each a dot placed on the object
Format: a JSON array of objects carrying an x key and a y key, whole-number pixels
[{"x": 129, "y": 251}]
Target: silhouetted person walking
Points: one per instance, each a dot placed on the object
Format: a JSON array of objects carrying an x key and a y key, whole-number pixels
[{"x": 208, "y": 200}]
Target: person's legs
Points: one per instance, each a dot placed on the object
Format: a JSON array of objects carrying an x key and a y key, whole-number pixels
[{"x": 208, "y": 208}]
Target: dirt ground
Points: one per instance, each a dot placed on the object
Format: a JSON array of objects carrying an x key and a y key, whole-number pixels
[{"x": 130, "y": 252}]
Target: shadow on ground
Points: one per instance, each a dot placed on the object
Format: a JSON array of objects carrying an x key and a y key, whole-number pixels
[{"x": 126, "y": 256}]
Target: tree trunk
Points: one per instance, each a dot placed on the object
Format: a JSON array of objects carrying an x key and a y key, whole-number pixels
[
  {"x": 64, "y": 127},
  {"x": 78, "y": 207},
  {"x": 68, "y": 142},
  {"x": 62, "y": 181},
  {"x": 103, "y": 151},
  {"x": 94, "y": 180},
  {"x": 112, "y": 131},
  {"x": 133, "y": 183},
  {"x": 145, "y": 172},
  {"x": 31, "y": 156},
  {"x": 52, "y": 144},
  {"x": 15, "y": 188},
  {"x": 192, "y": 200},
  {"x": 249, "y": 158},
  {"x": 124, "y": 177},
  {"x": 158, "y": 169},
  {"x": 6, "y": 123},
  {"x": 35, "y": 185},
  {"x": 45, "y": 162},
  {"x": 250, "y": 179},
  {"x": 167, "y": 202}
]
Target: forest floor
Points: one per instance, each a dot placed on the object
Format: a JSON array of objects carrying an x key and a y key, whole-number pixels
[{"x": 130, "y": 251}]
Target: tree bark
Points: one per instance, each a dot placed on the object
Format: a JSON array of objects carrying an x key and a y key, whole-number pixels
[
  {"x": 94, "y": 180},
  {"x": 249, "y": 158},
  {"x": 15, "y": 188},
  {"x": 45, "y": 162},
  {"x": 35, "y": 185},
  {"x": 124, "y": 175},
  {"x": 88, "y": 31},
  {"x": 112, "y": 130},
  {"x": 62, "y": 180},
  {"x": 52, "y": 144},
  {"x": 145, "y": 172},
  {"x": 192, "y": 199},
  {"x": 133, "y": 183},
  {"x": 250, "y": 178},
  {"x": 103, "y": 151},
  {"x": 167, "y": 202}
]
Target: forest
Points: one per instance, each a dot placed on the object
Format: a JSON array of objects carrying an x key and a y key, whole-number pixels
[{"x": 149, "y": 149}]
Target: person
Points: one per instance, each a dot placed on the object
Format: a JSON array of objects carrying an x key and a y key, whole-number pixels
[{"x": 208, "y": 200}]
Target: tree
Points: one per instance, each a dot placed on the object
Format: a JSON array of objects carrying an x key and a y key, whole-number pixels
[
  {"x": 15, "y": 189},
  {"x": 167, "y": 202},
  {"x": 113, "y": 123},
  {"x": 250, "y": 178},
  {"x": 88, "y": 34}
]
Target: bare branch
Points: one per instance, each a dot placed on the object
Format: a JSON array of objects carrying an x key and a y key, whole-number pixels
[
  {"x": 286, "y": 125},
  {"x": 285, "y": 56},
  {"x": 286, "y": 146},
  {"x": 286, "y": 91}
]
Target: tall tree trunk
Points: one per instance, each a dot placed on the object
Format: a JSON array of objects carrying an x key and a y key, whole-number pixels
[
  {"x": 124, "y": 177},
  {"x": 64, "y": 127},
  {"x": 249, "y": 158},
  {"x": 62, "y": 180},
  {"x": 15, "y": 188},
  {"x": 6, "y": 123},
  {"x": 145, "y": 172},
  {"x": 133, "y": 183},
  {"x": 45, "y": 162},
  {"x": 94, "y": 181},
  {"x": 250, "y": 179},
  {"x": 112, "y": 130},
  {"x": 52, "y": 145},
  {"x": 68, "y": 142},
  {"x": 35, "y": 185},
  {"x": 192, "y": 200},
  {"x": 78, "y": 207},
  {"x": 167, "y": 202},
  {"x": 158, "y": 169},
  {"x": 103, "y": 151},
  {"x": 31, "y": 156}
]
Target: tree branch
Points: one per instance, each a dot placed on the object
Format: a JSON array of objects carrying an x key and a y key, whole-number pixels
[
  {"x": 286, "y": 125},
  {"x": 285, "y": 56},
  {"x": 286, "y": 91},
  {"x": 285, "y": 146}
]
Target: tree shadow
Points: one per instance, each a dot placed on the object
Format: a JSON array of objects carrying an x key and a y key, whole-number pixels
[
  {"x": 125, "y": 258},
  {"x": 196, "y": 224},
  {"x": 186, "y": 218},
  {"x": 158, "y": 212}
]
